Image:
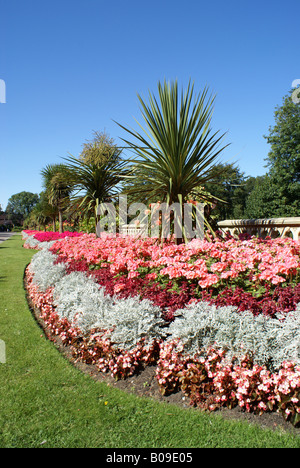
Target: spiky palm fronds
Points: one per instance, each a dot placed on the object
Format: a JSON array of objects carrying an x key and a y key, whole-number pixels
[{"x": 177, "y": 150}]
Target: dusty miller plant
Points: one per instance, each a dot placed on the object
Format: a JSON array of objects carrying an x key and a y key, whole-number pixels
[
  {"x": 270, "y": 340},
  {"x": 84, "y": 303},
  {"x": 79, "y": 299},
  {"x": 133, "y": 320},
  {"x": 45, "y": 272}
]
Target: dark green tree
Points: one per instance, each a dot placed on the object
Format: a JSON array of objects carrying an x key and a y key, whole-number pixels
[
  {"x": 232, "y": 187},
  {"x": 263, "y": 200},
  {"x": 20, "y": 205},
  {"x": 283, "y": 160},
  {"x": 42, "y": 214}
]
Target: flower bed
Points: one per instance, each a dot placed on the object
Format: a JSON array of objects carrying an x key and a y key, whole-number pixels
[
  {"x": 52, "y": 236},
  {"x": 40, "y": 239},
  {"x": 256, "y": 275},
  {"x": 105, "y": 298}
]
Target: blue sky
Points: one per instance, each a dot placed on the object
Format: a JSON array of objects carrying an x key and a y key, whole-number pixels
[{"x": 74, "y": 66}]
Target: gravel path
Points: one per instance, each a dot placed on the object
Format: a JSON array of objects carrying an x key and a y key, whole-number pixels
[{"x": 5, "y": 235}]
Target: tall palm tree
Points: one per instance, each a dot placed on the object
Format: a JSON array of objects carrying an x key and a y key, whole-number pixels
[
  {"x": 178, "y": 150},
  {"x": 57, "y": 187}
]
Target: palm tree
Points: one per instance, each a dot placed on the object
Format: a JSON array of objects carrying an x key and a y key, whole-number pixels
[
  {"x": 44, "y": 212},
  {"x": 57, "y": 188},
  {"x": 177, "y": 151},
  {"x": 93, "y": 183},
  {"x": 38, "y": 217}
]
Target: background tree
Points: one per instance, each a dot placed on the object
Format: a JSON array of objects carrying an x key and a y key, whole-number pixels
[
  {"x": 20, "y": 205},
  {"x": 232, "y": 187},
  {"x": 283, "y": 161},
  {"x": 263, "y": 200},
  {"x": 42, "y": 214},
  {"x": 100, "y": 149}
]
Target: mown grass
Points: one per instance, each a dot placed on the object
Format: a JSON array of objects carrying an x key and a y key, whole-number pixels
[{"x": 46, "y": 402}]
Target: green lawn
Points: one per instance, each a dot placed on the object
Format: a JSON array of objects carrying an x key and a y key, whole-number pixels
[{"x": 45, "y": 402}]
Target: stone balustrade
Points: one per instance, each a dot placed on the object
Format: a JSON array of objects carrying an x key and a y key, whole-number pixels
[
  {"x": 273, "y": 227},
  {"x": 133, "y": 230}
]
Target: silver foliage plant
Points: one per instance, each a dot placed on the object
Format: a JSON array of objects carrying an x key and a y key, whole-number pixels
[
  {"x": 84, "y": 303},
  {"x": 270, "y": 340},
  {"x": 200, "y": 325},
  {"x": 46, "y": 273},
  {"x": 33, "y": 243},
  {"x": 135, "y": 319},
  {"x": 79, "y": 299}
]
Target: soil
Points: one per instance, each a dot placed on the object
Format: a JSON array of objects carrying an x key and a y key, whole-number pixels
[{"x": 144, "y": 384}]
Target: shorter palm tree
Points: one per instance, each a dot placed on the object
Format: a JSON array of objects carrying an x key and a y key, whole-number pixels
[
  {"x": 93, "y": 183},
  {"x": 57, "y": 187}
]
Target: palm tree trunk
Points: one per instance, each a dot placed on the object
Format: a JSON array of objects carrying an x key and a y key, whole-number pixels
[
  {"x": 54, "y": 223},
  {"x": 61, "y": 223}
]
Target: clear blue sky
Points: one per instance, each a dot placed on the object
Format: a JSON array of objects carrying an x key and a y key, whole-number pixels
[{"x": 74, "y": 66}]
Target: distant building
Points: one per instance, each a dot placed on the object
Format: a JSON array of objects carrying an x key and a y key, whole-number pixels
[{"x": 4, "y": 222}]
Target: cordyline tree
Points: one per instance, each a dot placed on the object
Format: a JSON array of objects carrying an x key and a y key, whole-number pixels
[
  {"x": 177, "y": 149},
  {"x": 79, "y": 185}
]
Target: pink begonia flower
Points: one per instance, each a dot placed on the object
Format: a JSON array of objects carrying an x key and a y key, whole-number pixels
[
  {"x": 119, "y": 287},
  {"x": 271, "y": 261}
]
